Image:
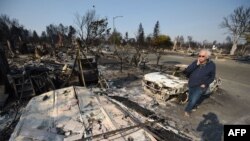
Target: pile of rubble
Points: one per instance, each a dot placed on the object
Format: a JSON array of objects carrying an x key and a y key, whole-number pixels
[
  {"x": 75, "y": 113},
  {"x": 112, "y": 108},
  {"x": 26, "y": 76}
]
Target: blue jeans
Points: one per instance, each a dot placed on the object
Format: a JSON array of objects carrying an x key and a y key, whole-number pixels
[{"x": 195, "y": 93}]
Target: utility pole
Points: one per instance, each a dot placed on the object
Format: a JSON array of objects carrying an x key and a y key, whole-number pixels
[
  {"x": 114, "y": 21},
  {"x": 114, "y": 26}
]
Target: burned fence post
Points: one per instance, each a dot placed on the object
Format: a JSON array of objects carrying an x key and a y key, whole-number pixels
[
  {"x": 80, "y": 66},
  {"x": 144, "y": 66}
]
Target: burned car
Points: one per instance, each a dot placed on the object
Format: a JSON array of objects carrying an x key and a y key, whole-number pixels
[{"x": 165, "y": 86}]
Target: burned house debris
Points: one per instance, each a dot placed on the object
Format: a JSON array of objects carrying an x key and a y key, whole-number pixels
[
  {"x": 93, "y": 81},
  {"x": 29, "y": 76},
  {"x": 31, "y": 82},
  {"x": 104, "y": 109},
  {"x": 90, "y": 71},
  {"x": 47, "y": 73},
  {"x": 76, "y": 113}
]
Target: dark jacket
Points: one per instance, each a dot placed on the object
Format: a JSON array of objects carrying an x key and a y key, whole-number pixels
[{"x": 200, "y": 74}]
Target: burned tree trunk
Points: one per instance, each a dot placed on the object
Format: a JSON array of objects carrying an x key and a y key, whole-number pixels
[
  {"x": 234, "y": 47},
  {"x": 10, "y": 49},
  {"x": 175, "y": 45}
]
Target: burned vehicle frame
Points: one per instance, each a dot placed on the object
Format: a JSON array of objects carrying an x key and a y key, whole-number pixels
[{"x": 163, "y": 86}]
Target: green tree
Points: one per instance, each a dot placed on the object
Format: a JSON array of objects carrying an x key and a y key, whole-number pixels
[
  {"x": 115, "y": 38},
  {"x": 155, "y": 42},
  {"x": 126, "y": 37},
  {"x": 246, "y": 46},
  {"x": 12, "y": 33},
  {"x": 52, "y": 33},
  {"x": 62, "y": 32},
  {"x": 148, "y": 40},
  {"x": 35, "y": 37},
  {"x": 140, "y": 36},
  {"x": 139, "y": 54},
  {"x": 107, "y": 36},
  {"x": 71, "y": 33},
  {"x": 5, "y": 25},
  {"x": 43, "y": 38},
  {"x": 156, "y": 30},
  {"x": 160, "y": 43},
  {"x": 247, "y": 36}
]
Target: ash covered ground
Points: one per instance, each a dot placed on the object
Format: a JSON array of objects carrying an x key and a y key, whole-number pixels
[{"x": 126, "y": 87}]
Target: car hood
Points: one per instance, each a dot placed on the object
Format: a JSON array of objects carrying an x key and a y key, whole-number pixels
[{"x": 165, "y": 80}]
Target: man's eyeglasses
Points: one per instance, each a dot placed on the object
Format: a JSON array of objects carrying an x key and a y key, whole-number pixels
[{"x": 201, "y": 56}]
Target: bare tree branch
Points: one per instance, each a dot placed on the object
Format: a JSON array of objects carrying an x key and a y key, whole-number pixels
[{"x": 238, "y": 24}]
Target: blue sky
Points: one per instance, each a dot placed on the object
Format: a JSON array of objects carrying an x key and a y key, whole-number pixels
[{"x": 197, "y": 18}]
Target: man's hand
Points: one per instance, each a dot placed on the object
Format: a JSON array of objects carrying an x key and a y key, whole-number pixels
[
  {"x": 198, "y": 62},
  {"x": 202, "y": 86}
]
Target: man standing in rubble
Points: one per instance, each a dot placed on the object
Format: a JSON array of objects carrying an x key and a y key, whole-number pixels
[{"x": 200, "y": 74}]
